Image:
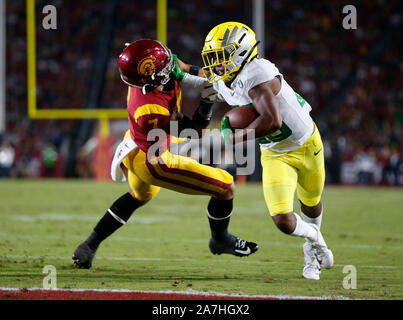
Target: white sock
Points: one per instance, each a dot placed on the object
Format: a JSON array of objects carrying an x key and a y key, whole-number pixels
[
  {"x": 317, "y": 221},
  {"x": 303, "y": 229}
]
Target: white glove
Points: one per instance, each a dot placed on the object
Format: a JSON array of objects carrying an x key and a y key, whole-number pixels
[
  {"x": 194, "y": 81},
  {"x": 209, "y": 92},
  {"x": 202, "y": 85}
]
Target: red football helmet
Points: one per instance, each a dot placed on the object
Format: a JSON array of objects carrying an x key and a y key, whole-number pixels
[{"x": 145, "y": 62}]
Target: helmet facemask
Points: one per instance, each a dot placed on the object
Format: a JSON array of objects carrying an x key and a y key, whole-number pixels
[
  {"x": 219, "y": 57},
  {"x": 164, "y": 73}
]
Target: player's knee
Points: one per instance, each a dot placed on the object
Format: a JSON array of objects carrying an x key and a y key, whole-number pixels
[
  {"x": 312, "y": 211},
  {"x": 142, "y": 199},
  {"x": 229, "y": 194},
  {"x": 284, "y": 222}
]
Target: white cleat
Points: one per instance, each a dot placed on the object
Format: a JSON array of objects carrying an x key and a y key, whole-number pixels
[
  {"x": 311, "y": 265},
  {"x": 323, "y": 253}
]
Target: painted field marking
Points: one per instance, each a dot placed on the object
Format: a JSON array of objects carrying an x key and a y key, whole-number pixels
[
  {"x": 88, "y": 218},
  {"x": 189, "y": 292}
]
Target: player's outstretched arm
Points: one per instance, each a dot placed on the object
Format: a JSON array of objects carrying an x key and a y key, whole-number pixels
[
  {"x": 188, "y": 74},
  {"x": 191, "y": 69},
  {"x": 182, "y": 70}
]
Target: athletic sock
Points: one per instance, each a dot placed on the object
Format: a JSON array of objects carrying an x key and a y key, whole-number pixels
[
  {"x": 115, "y": 217},
  {"x": 317, "y": 221},
  {"x": 303, "y": 229},
  {"x": 219, "y": 213}
]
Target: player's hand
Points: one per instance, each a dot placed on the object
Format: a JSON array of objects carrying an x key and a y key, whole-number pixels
[
  {"x": 226, "y": 131},
  {"x": 177, "y": 73},
  {"x": 210, "y": 93},
  {"x": 176, "y": 116}
]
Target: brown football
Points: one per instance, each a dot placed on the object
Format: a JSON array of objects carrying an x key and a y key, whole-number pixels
[{"x": 241, "y": 117}]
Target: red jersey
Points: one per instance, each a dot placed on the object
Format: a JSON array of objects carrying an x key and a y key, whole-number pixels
[{"x": 150, "y": 111}]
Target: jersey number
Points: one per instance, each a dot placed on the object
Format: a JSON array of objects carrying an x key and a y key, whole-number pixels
[
  {"x": 154, "y": 122},
  {"x": 283, "y": 133}
]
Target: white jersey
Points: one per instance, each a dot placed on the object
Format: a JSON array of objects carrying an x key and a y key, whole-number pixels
[{"x": 297, "y": 125}]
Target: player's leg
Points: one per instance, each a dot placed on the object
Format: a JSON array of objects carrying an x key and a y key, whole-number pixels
[
  {"x": 312, "y": 214},
  {"x": 310, "y": 185},
  {"x": 116, "y": 216},
  {"x": 311, "y": 180},
  {"x": 219, "y": 211},
  {"x": 279, "y": 183},
  {"x": 185, "y": 175}
]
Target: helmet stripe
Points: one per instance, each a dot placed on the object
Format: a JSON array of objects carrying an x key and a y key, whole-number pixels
[
  {"x": 248, "y": 46},
  {"x": 225, "y": 38},
  {"x": 233, "y": 35},
  {"x": 243, "y": 32}
]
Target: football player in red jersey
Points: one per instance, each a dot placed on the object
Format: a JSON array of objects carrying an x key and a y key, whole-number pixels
[{"x": 153, "y": 75}]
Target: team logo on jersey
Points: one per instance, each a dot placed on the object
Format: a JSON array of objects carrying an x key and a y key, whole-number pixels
[
  {"x": 301, "y": 100},
  {"x": 146, "y": 66}
]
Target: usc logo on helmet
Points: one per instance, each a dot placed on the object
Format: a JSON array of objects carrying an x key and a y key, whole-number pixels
[{"x": 146, "y": 66}]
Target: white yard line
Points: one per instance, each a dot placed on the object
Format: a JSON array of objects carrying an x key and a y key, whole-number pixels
[{"x": 88, "y": 218}]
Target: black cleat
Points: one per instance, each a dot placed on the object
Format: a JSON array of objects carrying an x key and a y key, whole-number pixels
[
  {"x": 82, "y": 257},
  {"x": 233, "y": 245}
]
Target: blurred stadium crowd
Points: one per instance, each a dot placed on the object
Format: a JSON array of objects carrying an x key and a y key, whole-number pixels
[{"x": 352, "y": 78}]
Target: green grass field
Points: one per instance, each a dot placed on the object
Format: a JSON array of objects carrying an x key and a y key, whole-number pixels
[{"x": 165, "y": 244}]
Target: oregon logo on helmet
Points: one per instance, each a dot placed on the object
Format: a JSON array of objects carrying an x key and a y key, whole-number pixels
[
  {"x": 229, "y": 46},
  {"x": 146, "y": 66}
]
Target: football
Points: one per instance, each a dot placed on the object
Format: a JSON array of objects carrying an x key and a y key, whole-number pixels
[{"x": 241, "y": 117}]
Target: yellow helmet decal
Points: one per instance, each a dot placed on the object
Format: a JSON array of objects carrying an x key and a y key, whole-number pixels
[{"x": 146, "y": 66}]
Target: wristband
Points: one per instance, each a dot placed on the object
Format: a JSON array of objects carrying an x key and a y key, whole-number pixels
[{"x": 194, "y": 70}]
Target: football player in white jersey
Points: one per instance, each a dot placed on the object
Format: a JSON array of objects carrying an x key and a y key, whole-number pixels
[{"x": 291, "y": 146}]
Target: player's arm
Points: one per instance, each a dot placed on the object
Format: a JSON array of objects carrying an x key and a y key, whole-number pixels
[
  {"x": 188, "y": 74},
  {"x": 182, "y": 70},
  {"x": 265, "y": 103},
  {"x": 189, "y": 68},
  {"x": 199, "y": 121},
  {"x": 157, "y": 117}
]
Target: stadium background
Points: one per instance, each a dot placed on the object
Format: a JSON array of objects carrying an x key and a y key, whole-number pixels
[{"x": 352, "y": 78}]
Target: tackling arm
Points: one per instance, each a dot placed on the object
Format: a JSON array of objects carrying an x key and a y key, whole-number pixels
[{"x": 200, "y": 119}]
